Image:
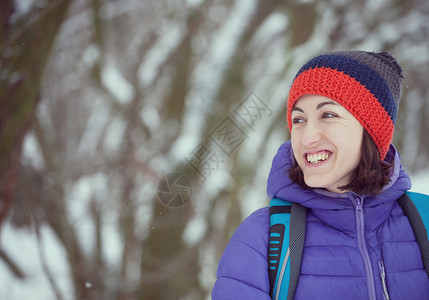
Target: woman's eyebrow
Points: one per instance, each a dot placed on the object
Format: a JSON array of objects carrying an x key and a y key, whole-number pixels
[
  {"x": 296, "y": 109},
  {"x": 321, "y": 104}
]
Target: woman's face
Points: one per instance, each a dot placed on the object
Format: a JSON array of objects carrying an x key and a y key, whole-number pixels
[{"x": 326, "y": 142}]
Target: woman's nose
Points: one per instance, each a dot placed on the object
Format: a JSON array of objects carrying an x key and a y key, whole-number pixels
[{"x": 312, "y": 134}]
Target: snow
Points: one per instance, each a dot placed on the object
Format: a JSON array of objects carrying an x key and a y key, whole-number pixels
[
  {"x": 420, "y": 182},
  {"x": 31, "y": 152},
  {"x": 22, "y": 246},
  {"x": 90, "y": 55},
  {"x": 169, "y": 36},
  {"x": 96, "y": 121},
  {"x": 114, "y": 82},
  {"x": 411, "y": 121},
  {"x": 150, "y": 117},
  {"x": 113, "y": 139},
  {"x": 207, "y": 77},
  {"x": 24, "y": 6}
]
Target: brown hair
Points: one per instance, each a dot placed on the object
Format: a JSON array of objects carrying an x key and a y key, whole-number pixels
[{"x": 368, "y": 178}]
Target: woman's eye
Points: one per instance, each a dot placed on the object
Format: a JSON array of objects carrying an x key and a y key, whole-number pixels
[
  {"x": 297, "y": 120},
  {"x": 329, "y": 115}
]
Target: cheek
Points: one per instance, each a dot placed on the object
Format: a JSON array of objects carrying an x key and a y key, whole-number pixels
[
  {"x": 295, "y": 145},
  {"x": 358, "y": 151},
  {"x": 294, "y": 137},
  {"x": 351, "y": 146}
]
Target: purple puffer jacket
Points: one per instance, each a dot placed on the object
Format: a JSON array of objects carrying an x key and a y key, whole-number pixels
[{"x": 350, "y": 239}]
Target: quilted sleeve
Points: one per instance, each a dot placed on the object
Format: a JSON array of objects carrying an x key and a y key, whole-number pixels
[{"x": 243, "y": 269}]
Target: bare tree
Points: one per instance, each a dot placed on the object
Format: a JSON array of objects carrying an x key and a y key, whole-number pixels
[
  {"x": 23, "y": 57},
  {"x": 132, "y": 91}
]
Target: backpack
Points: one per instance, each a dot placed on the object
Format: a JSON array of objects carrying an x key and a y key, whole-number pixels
[{"x": 287, "y": 234}]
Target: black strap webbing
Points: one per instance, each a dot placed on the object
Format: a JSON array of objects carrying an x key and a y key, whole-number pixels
[
  {"x": 419, "y": 228},
  {"x": 280, "y": 209},
  {"x": 298, "y": 221}
]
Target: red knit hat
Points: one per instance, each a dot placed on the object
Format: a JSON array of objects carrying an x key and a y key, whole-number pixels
[{"x": 367, "y": 84}]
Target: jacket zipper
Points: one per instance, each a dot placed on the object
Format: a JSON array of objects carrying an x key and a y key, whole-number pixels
[
  {"x": 383, "y": 279},
  {"x": 360, "y": 226}
]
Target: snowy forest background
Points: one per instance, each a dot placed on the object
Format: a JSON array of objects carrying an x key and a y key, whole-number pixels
[{"x": 101, "y": 99}]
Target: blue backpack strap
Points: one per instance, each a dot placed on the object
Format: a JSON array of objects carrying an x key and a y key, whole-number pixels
[
  {"x": 298, "y": 222},
  {"x": 286, "y": 242},
  {"x": 421, "y": 201},
  {"x": 416, "y": 208},
  {"x": 278, "y": 249}
]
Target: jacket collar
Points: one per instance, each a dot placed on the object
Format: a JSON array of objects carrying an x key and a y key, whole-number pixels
[{"x": 324, "y": 203}]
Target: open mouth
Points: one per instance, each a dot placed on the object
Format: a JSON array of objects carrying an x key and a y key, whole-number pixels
[{"x": 315, "y": 158}]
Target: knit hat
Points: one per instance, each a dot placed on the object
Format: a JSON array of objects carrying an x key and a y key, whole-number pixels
[{"x": 367, "y": 84}]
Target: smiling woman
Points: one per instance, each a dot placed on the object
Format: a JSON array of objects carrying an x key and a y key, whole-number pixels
[
  {"x": 326, "y": 142},
  {"x": 358, "y": 168},
  {"x": 338, "y": 193}
]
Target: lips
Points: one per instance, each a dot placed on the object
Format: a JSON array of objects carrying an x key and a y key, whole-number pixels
[{"x": 317, "y": 157}]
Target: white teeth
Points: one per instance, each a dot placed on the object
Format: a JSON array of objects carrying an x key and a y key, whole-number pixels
[{"x": 315, "y": 158}]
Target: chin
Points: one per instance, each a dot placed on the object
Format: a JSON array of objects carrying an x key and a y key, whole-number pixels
[
  {"x": 314, "y": 181},
  {"x": 317, "y": 182}
]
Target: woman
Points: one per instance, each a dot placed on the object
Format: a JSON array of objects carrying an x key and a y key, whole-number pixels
[{"x": 341, "y": 166}]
